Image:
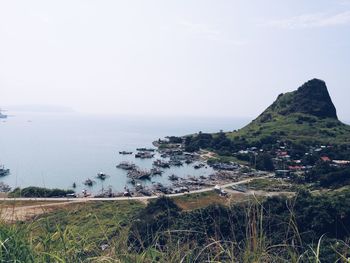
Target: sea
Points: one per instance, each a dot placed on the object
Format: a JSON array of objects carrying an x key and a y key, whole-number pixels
[{"x": 55, "y": 150}]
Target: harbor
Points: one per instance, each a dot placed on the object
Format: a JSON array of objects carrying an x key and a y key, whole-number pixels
[
  {"x": 166, "y": 162},
  {"x": 79, "y": 148}
]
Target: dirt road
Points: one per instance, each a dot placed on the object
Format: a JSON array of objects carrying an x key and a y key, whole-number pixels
[{"x": 10, "y": 213}]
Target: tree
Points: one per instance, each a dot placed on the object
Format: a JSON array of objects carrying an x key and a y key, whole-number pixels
[{"x": 264, "y": 162}]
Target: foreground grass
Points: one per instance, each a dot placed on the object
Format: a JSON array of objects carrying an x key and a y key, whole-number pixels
[
  {"x": 185, "y": 229},
  {"x": 81, "y": 232},
  {"x": 6, "y": 204}
]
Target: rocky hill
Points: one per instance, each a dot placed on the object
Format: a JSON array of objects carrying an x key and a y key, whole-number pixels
[
  {"x": 305, "y": 115},
  {"x": 311, "y": 98}
]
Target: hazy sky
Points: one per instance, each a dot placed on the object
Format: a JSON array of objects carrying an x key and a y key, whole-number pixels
[{"x": 180, "y": 57}]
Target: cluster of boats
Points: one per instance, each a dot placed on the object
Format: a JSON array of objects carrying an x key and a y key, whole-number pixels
[
  {"x": 142, "y": 153},
  {"x": 138, "y": 174},
  {"x": 89, "y": 182},
  {"x": 169, "y": 157},
  {"x": 135, "y": 173},
  {"x": 166, "y": 164}
]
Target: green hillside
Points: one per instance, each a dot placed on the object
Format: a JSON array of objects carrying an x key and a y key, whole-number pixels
[{"x": 306, "y": 115}]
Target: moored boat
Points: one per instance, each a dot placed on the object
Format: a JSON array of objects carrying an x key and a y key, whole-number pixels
[
  {"x": 2, "y": 116},
  {"x": 145, "y": 149},
  {"x": 126, "y": 166},
  {"x": 139, "y": 174},
  {"x": 156, "y": 171},
  {"x": 102, "y": 176},
  {"x": 89, "y": 182},
  {"x": 173, "y": 177},
  {"x": 4, "y": 171},
  {"x": 125, "y": 153},
  {"x": 161, "y": 164},
  {"x": 144, "y": 155}
]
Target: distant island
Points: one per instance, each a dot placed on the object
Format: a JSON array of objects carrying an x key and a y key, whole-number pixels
[{"x": 41, "y": 108}]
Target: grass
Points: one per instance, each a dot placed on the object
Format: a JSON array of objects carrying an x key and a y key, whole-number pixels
[
  {"x": 326, "y": 131},
  {"x": 201, "y": 200},
  {"x": 98, "y": 232},
  {"x": 5, "y": 204},
  {"x": 76, "y": 233},
  {"x": 227, "y": 159},
  {"x": 271, "y": 185},
  {"x": 85, "y": 217}
]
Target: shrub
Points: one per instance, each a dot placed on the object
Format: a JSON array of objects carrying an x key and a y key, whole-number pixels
[{"x": 33, "y": 191}]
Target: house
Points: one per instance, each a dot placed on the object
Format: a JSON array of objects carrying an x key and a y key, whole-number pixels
[
  {"x": 296, "y": 168},
  {"x": 326, "y": 159},
  {"x": 341, "y": 162}
]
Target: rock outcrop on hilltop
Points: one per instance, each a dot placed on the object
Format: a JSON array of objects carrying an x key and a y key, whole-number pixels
[
  {"x": 305, "y": 115},
  {"x": 312, "y": 98}
]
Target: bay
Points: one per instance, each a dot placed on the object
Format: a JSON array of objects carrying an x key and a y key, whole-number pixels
[{"x": 55, "y": 150}]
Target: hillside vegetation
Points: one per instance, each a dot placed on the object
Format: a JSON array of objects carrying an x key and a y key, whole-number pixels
[
  {"x": 307, "y": 228},
  {"x": 306, "y": 115}
]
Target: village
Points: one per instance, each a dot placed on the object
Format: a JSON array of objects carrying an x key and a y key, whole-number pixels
[
  {"x": 283, "y": 160},
  {"x": 172, "y": 153}
]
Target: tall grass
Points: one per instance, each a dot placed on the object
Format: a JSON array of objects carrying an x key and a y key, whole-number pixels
[{"x": 99, "y": 232}]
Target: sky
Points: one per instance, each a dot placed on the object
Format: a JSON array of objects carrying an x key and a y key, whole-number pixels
[{"x": 216, "y": 58}]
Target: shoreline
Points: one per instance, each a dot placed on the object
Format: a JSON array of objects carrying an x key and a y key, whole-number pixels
[
  {"x": 83, "y": 199},
  {"x": 172, "y": 154}
]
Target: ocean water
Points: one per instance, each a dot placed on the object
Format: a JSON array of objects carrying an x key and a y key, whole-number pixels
[{"x": 58, "y": 149}]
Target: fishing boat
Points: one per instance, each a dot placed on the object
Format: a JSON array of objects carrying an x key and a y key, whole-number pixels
[
  {"x": 144, "y": 155},
  {"x": 89, "y": 182},
  {"x": 125, "y": 153},
  {"x": 175, "y": 162},
  {"x": 145, "y": 149},
  {"x": 4, "y": 171},
  {"x": 198, "y": 166},
  {"x": 126, "y": 166},
  {"x": 102, "y": 176},
  {"x": 139, "y": 174},
  {"x": 2, "y": 116},
  {"x": 156, "y": 171},
  {"x": 161, "y": 164},
  {"x": 173, "y": 177}
]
